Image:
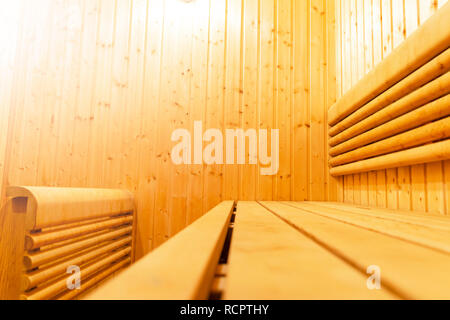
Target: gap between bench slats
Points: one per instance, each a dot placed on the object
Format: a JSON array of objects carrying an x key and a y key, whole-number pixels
[
  {"x": 409, "y": 231},
  {"x": 181, "y": 269},
  {"x": 411, "y": 270},
  {"x": 271, "y": 260}
]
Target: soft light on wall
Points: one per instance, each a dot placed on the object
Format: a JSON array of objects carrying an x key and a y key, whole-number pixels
[{"x": 9, "y": 24}]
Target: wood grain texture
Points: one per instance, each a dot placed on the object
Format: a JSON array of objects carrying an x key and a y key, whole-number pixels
[
  {"x": 193, "y": 255},
  {"x": 271, "y": 260},
  {"x": 411, "y": 187},
  {"x": 108, "y": 82},
  {"x": 401, "y": 262}
]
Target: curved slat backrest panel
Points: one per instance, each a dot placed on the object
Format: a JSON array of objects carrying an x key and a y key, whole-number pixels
[
  {"x": 182, "y": 268},
  {"x": 424, "y": 44},
  {"x": 55, "y": 206},
  {"x": 53, "y": 229},
  {"x": 398, "y": 114}
]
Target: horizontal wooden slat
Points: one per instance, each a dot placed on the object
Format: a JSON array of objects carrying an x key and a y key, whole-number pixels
[
  {"x": 33, "y": 279},
  {"x": 55, "y": 206},
  {"x": 61, "y": 285},
  {"x": 37, "y": 259},
  {"x": 34, "y": 241},
  {"x": 428, "y": 153},
  {"x": 271, "y": 260},
  {"x": 434, "y": 131},
  {"x": 434, "y": 110},
  {"x": 429, "y": 237},
  {"x": 411, "y": 270},
  {"x": 182, "y": 268},
  {"x": 433, "y": 69},
  {"x": 424, "y": 95},
  {"x": 432, "y": 38}
]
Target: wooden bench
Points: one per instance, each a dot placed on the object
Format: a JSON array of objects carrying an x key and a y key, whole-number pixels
[
  {"x": 397, "y": 115},
  {"x": 294, "y": 250},
  {"x": 47, "y": 230}
]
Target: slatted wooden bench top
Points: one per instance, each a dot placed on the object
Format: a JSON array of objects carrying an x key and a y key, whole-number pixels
[{"x": 295, "y": 250}]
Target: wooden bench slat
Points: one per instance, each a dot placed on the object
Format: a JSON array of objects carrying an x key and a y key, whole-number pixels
[
  {"x": 271, "y": 260},
  {"x": 411, "y": 270},
  {"x": 181, "y": 269},
  {"x": 428, "y": 237},
  {"x": 428, "y": 220}
]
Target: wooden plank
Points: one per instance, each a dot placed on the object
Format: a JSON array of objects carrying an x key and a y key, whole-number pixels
[
  {"x": 422, "y": 219},
  {"x": 179, "y": 175},
  {"x": 117, "y": 119},
  {"x": 266, "y": 90},
  {"x": 101, "y": 101},
  {"x": 250, "y": 98},
  {"x": 368, "y": 36},
  {"x": 317, "y": 102},
  {"x": 147, "y": 185},
  {"x": 349, "y": 189},
  {"x": 331, "y": 85},
  {"x": 365, "y": 188},
  {"x": 427, "y": 8},
  {"x": 357, "y": 188},
  {"x": 409, "y": 56},
  {"x": 347, "y": 52},
  {"x": 404, "y": 192},
  {"x": 70, "y": 91},
  {"x": 339, "y": 50},
  {"x": 381, "y": 189},
  {"x": 233, "y": 92},
  {"x": 398, "y": 23},
  {"x": 263, "y": 243},
  {"x": 433, "y": 238},
  {"x": 423, "y": 97},
  {"x": 363, "y": 248},
  {"x": 199, "y": 84},
  {"x": 411, "y": 17},
  {"x": 214, "y": 109},
  {"x": 447, "y": 186},
  {"x": 302, "y": 121},
  {"x": 181, "y": 269},
  {"x": 377, "y": 34},
  {"x": 361, "y": 33},
  {"x": 433, "y": 131},
  {"x": 129, "y": 176},
  {"x": 418, "y": 195},
  {"x": 372, "y": 188},
  {"x": 392, "y": 188},
  {"x": 354, "y": 43},
  {"x": 423, "y": 154},
  {"x": 435, "y": 187},
  {"x": 12, "y": 241},
  {"x": 166, "y": 115},
  {"x": 283, "y": 96},
  {"x": 83, "y": 120}
]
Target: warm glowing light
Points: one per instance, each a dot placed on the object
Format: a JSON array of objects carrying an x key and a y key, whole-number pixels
[
  {"x": 185, "y": 10},
  {"x": 9, "y": 25}
]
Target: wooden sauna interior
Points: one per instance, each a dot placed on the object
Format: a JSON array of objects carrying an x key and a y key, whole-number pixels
[{"x": 91, "y": 91}]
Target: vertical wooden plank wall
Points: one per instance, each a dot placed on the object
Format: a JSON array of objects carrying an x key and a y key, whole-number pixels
[
  {"x": 91, "y": 91},
  {"x": 368, "y": 30}
]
